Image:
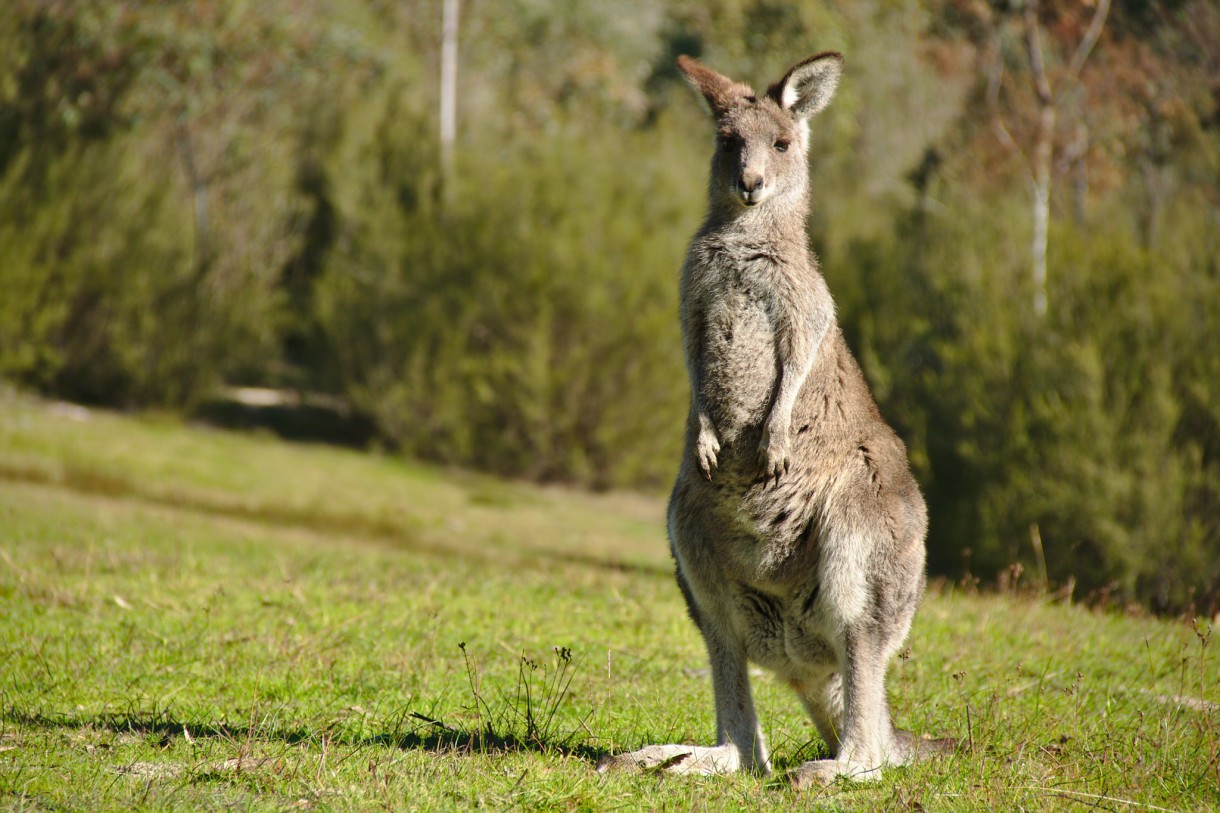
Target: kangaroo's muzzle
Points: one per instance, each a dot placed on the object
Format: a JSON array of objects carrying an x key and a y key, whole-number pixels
[{"x": 751, "y": 188}]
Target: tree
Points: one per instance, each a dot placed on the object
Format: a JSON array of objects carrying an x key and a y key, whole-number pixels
[{"x": 1038, "y": 164}]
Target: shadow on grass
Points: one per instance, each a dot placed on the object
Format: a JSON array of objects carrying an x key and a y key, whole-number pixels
[
  {"x": 401, "y": 531},
  {"x": 95, "y": 482},
  {"x": 430, "y": 735},
  {"x": 310, "y": 422}
]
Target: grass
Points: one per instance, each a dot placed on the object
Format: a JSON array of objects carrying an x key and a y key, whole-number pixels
[{"x": 201, "y": 619}]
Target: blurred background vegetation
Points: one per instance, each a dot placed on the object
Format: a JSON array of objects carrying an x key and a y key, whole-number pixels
[{"x": 197, "y": 194}]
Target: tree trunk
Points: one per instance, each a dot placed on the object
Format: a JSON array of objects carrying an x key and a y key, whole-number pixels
[
  {"x": 449, "y": 65},
  {"x": 1042, "y": 203},
  {"x": 199, "y": 200}
]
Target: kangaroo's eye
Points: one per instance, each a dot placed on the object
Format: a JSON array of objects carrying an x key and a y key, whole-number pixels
[
  {"x": 727, "y": 142},
  {"x": 781, "y": 145}
]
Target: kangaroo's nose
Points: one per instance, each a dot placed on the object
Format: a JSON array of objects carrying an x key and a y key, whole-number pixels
[{"x": 750, "y": 188}]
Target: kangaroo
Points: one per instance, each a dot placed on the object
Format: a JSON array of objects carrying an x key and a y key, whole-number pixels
[{"x": 795, "y": 524}]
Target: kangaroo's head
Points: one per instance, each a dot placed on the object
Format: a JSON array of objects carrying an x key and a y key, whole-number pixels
[{"x": 762, "y": 141}]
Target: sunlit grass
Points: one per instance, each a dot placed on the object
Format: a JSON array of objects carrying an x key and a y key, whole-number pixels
[{"x": 201, "y": 619}]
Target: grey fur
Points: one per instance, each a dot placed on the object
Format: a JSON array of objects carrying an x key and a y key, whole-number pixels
[{"x": 796, "y": 526}]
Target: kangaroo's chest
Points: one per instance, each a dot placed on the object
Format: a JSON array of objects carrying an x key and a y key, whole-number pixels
[{"x": 740, "y": 362}]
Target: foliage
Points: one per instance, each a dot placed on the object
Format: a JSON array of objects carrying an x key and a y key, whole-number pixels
[
  {"x": 505, "y": 332},
  {"x": 1067, "y": 443},
  {"x": 143, "y": 214}
]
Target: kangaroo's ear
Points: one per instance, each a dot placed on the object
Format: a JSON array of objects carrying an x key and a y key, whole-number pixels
[
  {"x": 721, "y": 92},
  {"x": 809, "y": 86}
]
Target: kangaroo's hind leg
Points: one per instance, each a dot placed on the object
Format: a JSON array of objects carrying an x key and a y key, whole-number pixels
[
  {"x": 861, "y": 740},
  {"x": 823, "y": 699},
  {"x": 737, "y": 723},
  {"x": 871, "y": 585},
  {"x": 822, "y": 696},
  {"x": 739, "y": 737}
]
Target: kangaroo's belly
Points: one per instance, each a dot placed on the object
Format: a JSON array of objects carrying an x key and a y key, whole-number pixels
[
  {"x": 739, "y": 364},
  {"x": 787, "y": 634}
]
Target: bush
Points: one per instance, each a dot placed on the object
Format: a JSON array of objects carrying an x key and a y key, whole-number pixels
[
  {"x": 1082, "y": 436},
  {"x": 529, "y": 327}
]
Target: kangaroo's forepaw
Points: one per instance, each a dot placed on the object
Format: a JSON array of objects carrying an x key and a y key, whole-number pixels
[
  {"x": 707, "y": 447},
  {"x": 774, "y": 455},
  {"x": 680, "y": 759}
]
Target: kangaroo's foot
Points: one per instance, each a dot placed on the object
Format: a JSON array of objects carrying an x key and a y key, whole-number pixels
[
  {"x": 913, "y": 748},
  {"x": 819, "y": 772},
  {"x": 681, "y": 759}
]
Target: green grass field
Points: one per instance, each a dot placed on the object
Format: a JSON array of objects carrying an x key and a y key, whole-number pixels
[{"x": 202, "y": 619}]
